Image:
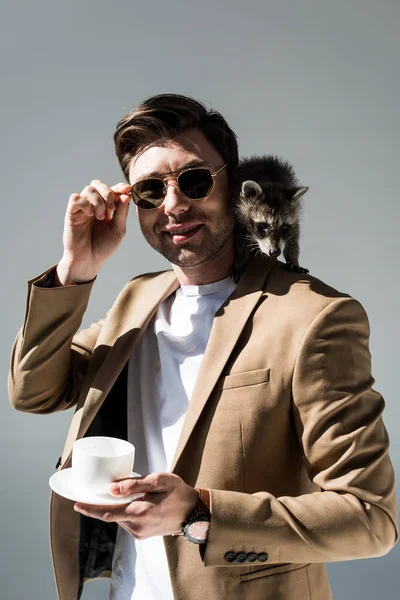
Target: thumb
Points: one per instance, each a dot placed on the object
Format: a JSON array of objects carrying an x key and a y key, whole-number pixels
[{"x": 121, "y": 212}]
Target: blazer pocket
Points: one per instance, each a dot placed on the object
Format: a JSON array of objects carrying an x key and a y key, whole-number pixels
[
  {"x": 242, "y": 379},
  {"x": 272, "y": 570}
]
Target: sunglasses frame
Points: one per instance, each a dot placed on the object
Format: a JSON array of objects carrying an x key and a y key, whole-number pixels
[{"x": 169, "y": 177}]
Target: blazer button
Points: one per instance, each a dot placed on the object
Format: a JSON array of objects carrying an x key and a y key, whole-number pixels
[
  {"x": 263, "y": 556},
  {"x": 241, "y": 557},
  {"x": 252, "y": 556},
  {"x": 230, "y": 556}
]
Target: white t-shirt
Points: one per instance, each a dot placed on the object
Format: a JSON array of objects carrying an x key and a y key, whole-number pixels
[{"x": 161, "y": 376}]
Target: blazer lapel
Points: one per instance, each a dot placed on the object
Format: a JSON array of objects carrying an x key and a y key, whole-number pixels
[
  {"x": 123, "y": 329},
  {"x": 227, "y": 327}
]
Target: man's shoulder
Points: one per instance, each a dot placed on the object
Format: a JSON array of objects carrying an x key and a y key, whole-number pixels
[
  {"x": 301, "y": 294},
  {"x": 307, "y": 285}
]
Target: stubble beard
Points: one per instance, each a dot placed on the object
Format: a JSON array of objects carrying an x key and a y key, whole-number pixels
[{"x": 193, "y": 254}]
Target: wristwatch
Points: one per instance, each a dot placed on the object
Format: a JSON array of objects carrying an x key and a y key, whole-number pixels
[{"x": 195, "y": 528}]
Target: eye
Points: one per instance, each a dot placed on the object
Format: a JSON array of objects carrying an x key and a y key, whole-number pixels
[
  {"x": 284, "y": 227},
  {"x": 262, "y": 228}
]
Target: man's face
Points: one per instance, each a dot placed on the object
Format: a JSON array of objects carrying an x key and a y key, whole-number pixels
[{"x": 165, "y": 227}]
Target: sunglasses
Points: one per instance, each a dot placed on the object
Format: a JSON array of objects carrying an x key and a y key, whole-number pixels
[{"x": 195, "y": 183}]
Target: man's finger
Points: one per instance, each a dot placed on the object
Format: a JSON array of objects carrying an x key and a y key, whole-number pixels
[
  {"x": 122, "y": 188},
  {"x": 153, "y": 483},
  {"x": 121, "y": 213}
]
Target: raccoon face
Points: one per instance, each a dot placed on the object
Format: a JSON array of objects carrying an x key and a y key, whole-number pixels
[
  {"x": 270, "y": 214},
  {"x": 271, "y": 235}
]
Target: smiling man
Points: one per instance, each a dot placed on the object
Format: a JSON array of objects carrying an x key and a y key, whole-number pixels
[{"x": 257, "y": 430}]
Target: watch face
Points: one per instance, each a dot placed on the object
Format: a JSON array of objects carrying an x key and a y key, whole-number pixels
[{"x": 198, "y": 530}]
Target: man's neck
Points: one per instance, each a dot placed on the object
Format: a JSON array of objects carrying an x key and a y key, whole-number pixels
[{"x": 216, "y": 268}]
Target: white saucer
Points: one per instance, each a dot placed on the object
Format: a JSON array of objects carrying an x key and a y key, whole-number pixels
[{"x": 64, "y": 484}]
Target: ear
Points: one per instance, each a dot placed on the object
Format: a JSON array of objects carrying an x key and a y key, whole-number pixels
[
  {"x": 251, "y": 189},
  {"x": 298, "y": 192}
]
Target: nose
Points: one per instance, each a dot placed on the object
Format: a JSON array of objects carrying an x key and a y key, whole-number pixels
[
  {"x": 175, "y": 202},
  {"x": 274, "y": 252}
]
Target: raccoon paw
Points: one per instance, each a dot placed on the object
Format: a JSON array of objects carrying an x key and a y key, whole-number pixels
[
  {"x": 291, "y": 267},
  {"x": 296, "y": 268}
]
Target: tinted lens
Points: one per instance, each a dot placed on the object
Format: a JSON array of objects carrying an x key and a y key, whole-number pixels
[
  {"x": 148, "y": 193},
  {"x": 196, "y": 184}
]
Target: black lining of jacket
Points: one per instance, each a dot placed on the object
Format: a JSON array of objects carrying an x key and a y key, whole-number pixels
[{"x": 97, "y": 538}]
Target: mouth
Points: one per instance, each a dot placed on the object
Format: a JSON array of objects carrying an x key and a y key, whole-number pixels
[{"x": 181, "y": 233}]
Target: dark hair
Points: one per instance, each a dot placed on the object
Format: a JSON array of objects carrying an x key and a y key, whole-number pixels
[{"x": 162, "y": 117}]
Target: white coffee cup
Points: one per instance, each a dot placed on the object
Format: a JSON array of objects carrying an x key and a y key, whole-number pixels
[{"x": 98, "y": 461}]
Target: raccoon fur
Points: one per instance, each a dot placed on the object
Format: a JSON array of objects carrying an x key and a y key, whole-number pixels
[{"x": 267, "y": 212}]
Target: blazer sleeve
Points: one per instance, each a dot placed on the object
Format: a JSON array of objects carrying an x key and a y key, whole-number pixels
[
  {"x": 48, "y": 359},
  {"x": 338, "y": 420}
]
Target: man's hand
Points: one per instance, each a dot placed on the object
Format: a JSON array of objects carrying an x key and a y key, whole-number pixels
[
  {"x": 167, "y": 503},
  {"x": 94, "y": 226}
]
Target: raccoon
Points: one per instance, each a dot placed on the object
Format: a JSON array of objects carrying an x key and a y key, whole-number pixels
[{"x": 267, "y": 212}]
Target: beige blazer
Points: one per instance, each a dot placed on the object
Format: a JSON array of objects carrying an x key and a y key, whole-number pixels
[{"x": 283, "y": 427}]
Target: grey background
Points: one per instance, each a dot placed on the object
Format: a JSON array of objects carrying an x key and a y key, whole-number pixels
[{"x": 317, "y": 82}]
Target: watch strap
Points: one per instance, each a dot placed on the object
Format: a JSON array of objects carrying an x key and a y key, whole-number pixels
[
  {"x": 201, "y": 509},
  {"x": 203, "y": 504}
]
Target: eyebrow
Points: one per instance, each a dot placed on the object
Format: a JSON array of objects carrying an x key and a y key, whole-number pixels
[{"x": 196, "y": 162}]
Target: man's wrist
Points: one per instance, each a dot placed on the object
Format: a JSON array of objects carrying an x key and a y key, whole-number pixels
[
  {"x": 65, "y": 275},
  {"x": 195, "y": 528}
]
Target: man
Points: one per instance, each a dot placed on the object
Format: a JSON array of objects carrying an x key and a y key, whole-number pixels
[{"x": 250, "y": 404}]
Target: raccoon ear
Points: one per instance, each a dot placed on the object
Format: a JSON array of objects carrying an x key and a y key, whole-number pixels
[
  {"x": 298, "y": 192},
  {"x": 250, "y": 189}
]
